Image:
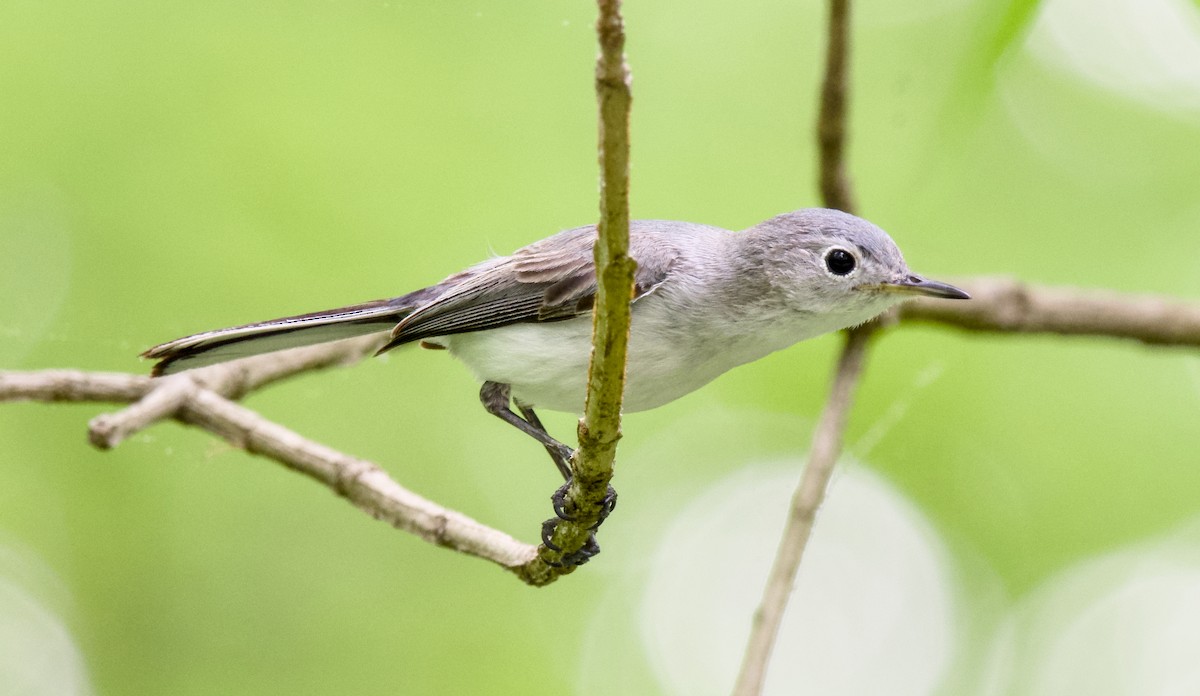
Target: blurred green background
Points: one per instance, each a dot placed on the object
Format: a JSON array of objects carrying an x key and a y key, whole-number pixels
[{"x": 170, "y": 167}]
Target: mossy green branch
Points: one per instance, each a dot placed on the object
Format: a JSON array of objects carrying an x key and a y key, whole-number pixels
[{"x": 600, "y": 428}]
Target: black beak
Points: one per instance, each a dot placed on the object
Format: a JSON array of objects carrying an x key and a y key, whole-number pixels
[{"x": 916, "y": 285}]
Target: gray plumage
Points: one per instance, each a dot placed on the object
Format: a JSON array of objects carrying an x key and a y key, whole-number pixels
[{"x": 706, "y": 300}]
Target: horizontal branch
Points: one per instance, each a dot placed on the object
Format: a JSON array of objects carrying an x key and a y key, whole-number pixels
[
  {"x": 231, "y": 379},
  {"x": 1004, "y": 305},
  {"x": 72, "y": 385},
  {"x": 162, "y": 398},
  {"x": 198, "y": 398}
]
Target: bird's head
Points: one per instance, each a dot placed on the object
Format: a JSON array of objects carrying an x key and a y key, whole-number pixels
[{"x": 834, "y": 263}]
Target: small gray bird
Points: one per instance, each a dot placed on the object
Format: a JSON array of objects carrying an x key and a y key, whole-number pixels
[{"x": 705, "y": 300}]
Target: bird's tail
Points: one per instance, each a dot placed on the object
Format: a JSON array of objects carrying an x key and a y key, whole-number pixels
[{"x": 211, "y": 347}]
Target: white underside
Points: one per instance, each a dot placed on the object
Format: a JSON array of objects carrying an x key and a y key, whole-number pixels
[{"x": 546, "y": 364}]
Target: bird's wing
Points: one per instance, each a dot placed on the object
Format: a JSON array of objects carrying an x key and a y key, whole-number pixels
[{"x": 549, "y": 280}]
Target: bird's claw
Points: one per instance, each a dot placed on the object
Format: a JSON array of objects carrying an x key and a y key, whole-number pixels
[
  {"x": 548, "y": 528},
  {"x": 590, "y": 547},
  {"x": 606, "y": 507},
  {"x": 559, "y": 502}
]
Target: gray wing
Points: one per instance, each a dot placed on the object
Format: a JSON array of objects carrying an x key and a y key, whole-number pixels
[{"x": 550, "y": 280}]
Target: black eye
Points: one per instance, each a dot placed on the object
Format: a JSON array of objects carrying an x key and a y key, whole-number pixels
[{"x": 839, "y": 262}]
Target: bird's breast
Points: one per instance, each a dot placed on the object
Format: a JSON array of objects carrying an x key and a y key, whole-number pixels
[{"x": 670, "y": 355}]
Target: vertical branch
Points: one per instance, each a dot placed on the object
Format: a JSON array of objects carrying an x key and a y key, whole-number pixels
[
  {"x": 827, "y": 438},
  {"x": 600, "y": 428},
  {"x": 826, "y": 445},
  {"x": 831, "y": 123},
  {"x": 614, "y": 267}
]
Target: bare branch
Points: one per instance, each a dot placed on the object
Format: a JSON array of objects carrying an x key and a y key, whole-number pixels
[
  {"x": 359, "y": 481},
  {"x": 164, "y": 396},
  {"x": 826, "y": 445},
  {"x": 600, "y": 428},
  {"x": 72, "y": 385},
  {"x": 164, "y": 401},
  {"x": 1004, "y": 305},
  {"x": 363, "y": 483},
  {"x": 837, "y": 192}
]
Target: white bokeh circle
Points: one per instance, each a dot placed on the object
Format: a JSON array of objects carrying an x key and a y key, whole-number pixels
[
  {"x": 1126, "y": 624},
  {"x": 873, "y": 610}
]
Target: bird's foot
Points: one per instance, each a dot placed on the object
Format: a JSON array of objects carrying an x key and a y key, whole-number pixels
[
  {"x": 590, "y": 547},
  {"x": 559, "y": 501},
  {"x": 583, "y": 555}
]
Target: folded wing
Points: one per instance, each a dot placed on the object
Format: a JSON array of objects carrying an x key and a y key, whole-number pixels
[{"x": 551, "y": 280}]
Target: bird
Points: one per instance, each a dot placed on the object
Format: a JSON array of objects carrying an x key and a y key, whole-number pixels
[{"x": 705, "y": 300}]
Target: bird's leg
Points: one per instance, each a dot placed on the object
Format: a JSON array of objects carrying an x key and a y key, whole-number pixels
[
  {"x": 559, "y": 500},
  {"x": 557, "y": 454},
  {"x": 497, "y": 399},
  {"x": 564, "y": 467}
]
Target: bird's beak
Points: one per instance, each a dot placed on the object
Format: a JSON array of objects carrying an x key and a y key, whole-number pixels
[{"x": 916, "y": 285}]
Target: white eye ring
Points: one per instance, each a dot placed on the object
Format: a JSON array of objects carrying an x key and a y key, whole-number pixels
[{"x": 840, "y": 262}]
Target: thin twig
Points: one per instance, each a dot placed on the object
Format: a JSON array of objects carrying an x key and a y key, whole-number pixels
[
  {"x": 837, "y": 192},
  {"x": 1004, "y": 305},
  {"x": 232, "y": 379},
  {"x": 361, "y": 482},
  {"x": 600, "y": 428},
  {"x": 73, "y": 385},
  {"x": 163, "y": 397},
  {"x": 826, "y": 445},
  {"x": 109, "y": 429}
]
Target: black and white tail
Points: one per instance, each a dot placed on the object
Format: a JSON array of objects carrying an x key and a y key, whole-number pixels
[{"x": 212, "y": 347}]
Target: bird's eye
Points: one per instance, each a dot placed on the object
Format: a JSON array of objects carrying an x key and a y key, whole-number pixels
[{"x": 839, "y": 262}]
